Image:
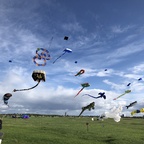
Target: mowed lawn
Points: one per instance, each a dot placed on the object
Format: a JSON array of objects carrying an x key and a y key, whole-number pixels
[{"x": 72, "y": 130}]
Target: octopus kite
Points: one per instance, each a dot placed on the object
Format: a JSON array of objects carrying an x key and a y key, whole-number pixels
[{"x": 37, "y": 75}]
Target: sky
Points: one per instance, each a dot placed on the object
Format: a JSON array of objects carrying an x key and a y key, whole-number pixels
[{"x": 102, "y": 35}]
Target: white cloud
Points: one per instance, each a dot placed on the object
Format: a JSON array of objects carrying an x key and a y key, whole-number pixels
[
  {"x": 120, "y": 29},
  {"x": 138, "y": 68}
]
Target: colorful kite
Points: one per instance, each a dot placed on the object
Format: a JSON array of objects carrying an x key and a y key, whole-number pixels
[
  {"x": 89, "y": 107},
  {"x": 82, "y": 71},
  {"x": 126, "y": 92},
  {"x": 137, "y": 111},
  {"x": 102, "y": 95},
  {"x": 67, "y": 50},
  {"x": 131, "y": 104},
  {"x": 83, "y": 86},
  {"x": 44, "y": 55},
  {"x": 37, "y": 75},
  {"x": 6, "y": 98}
]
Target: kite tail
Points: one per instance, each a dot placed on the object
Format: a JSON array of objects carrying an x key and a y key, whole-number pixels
[
  {"x": 81, "y": 112},
  {"x": 50, "y": 42},
  {"x": 92, "y": 96},
  {"x": 58, "y": 57},
  {"x": 79, "y": 92},
  {"x": 119, "y": 96},
  {"x": 28, "y": 88}
]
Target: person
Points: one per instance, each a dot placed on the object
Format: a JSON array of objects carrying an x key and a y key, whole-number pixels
[{"x": 0, "y": 123}]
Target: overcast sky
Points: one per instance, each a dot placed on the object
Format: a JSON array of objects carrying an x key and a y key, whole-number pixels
[{"x": 103, "y": 34}]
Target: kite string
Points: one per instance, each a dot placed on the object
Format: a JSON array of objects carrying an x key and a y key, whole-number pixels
[
  {"x": 50, "y": 43},
  {"x": 58, "y": 57}
]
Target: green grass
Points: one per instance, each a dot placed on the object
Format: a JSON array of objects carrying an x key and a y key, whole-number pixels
[{"x": 70, "y": 130}]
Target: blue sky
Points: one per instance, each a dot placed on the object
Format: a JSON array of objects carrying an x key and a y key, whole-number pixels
[{"x": 102, "y": 35}]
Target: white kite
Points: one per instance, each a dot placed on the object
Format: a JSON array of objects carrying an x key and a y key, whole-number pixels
[{"x": 113, "y": 113}]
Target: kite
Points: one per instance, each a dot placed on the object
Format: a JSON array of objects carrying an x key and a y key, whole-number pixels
[
  {"x": 44, "y": 55},
  {"x": 76, "y": 62},
  {"x": 128, "y": 84},
  {"x": 114, "y": 113},
  {"x": 66, "y": 38},
  {"x": 131, "y": 104},
  {"x": 0, "y": 124},
  {"x": 102, "y": 95},
  {"x": 6, "y": 98},
  {"x": 89, "y": 107},
  {"x": 126, "y": 92},
  {"x": 137, "y": 111},
  {"x": 83, "y": 86},
  {"x": 82, "y": 71},
  {"x": 67, "y": 50},
  {"x": 37, "y": 75},
  {"x": 137, "y": 79}
]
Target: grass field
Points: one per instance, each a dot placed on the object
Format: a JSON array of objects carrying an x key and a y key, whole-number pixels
[{"x": 72, "y": 130}]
